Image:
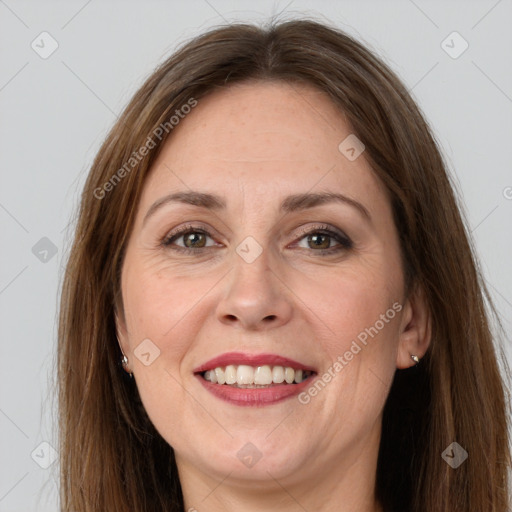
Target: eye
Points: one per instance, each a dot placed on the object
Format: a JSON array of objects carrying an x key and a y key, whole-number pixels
[
  {"x": 320, "y": 239},
  {"x": 188, "y": 238},
  {"x": 324, "y": 240}
]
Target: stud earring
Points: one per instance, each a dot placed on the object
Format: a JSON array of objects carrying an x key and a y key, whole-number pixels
[
  {"x": 124, "y": 363},
  {"x": 416, "y": 359}
]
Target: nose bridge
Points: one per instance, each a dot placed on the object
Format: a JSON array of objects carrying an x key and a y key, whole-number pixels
[
  {"x": 252, "y": 273},
  {"x": 254, "y": 296}
]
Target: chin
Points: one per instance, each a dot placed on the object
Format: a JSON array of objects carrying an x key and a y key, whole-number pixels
[{"x": 255, "y": 458}]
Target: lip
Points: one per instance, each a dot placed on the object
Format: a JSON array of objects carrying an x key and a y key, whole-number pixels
[
  {"x": 256, "y": 397},
  {"x": 237, "y": 358}
]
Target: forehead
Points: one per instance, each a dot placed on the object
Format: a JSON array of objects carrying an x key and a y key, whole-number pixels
[{"x": 259, "y": 137}]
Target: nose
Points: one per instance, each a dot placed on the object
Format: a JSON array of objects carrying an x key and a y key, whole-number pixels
[{"x": 255, "y": 297}]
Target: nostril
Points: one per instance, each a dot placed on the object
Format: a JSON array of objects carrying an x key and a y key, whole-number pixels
[{"x": 234, "y": 318}]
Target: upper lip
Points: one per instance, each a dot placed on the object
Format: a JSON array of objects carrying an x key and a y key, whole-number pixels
[{"x": 237, "y": 358}]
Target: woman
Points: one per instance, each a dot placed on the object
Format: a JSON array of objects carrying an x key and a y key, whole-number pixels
[{"x": 270, "y": 244}]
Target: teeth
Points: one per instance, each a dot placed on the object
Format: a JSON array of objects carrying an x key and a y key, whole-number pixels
[
  {"x": 289, "y": 375},
  {"x": 230, "y": 374},
  {"x": 245, "y": 374},
  {"x": 220, "y": 376},
  {"x": 211, "y": 376},
  {"x": 263, "y": 375},
  {"x": 260, "y": 376},
  {"x": 278, "y": 374}
]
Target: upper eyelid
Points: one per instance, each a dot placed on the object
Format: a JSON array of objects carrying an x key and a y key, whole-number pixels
[
  {"x": 183, "y": 230},
  {"x": 324, "y": 227},
  {"x": 188, "y": 228},
  {"x": 343, "y": 239},
  {"x": 191, "y": 228}
]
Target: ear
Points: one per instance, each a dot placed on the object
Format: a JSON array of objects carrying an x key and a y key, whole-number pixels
[
  {"x": 121, "y": 331},
  {"x": 415, "y": 329}
]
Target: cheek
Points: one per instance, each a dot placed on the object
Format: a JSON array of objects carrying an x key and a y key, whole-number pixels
[
  {"x": 361, "y": 344},
  {"x": 348, "y": 301},
  {"x": 160, "y": 302},
  {"x": 357, "y": 308},
  {"x": 160, "y": 308},
  {"x": 356, "y": 317}
]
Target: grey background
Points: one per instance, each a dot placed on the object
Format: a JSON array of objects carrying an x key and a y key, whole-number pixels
[{"x": 56, "y": 111}]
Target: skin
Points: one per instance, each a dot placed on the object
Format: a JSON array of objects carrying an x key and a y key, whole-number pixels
[{"x": 254, "y": 144}]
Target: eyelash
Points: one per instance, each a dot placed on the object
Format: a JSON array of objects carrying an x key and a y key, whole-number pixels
[{"x": 344, "y": 241}]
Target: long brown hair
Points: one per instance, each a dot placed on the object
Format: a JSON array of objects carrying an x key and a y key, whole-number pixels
[{"x": 112, "y": 458}]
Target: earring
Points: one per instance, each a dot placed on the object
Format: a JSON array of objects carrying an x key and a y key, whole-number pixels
[
  {"x": 416, "y": 359},
  {"x": 124, "y": 363}
]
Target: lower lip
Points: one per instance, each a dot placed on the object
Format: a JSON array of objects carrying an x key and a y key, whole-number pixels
[{"x": 255, "y": 396}]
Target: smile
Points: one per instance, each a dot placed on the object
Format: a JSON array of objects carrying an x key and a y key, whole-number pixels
[
  {"x": 254, "y": 379},
  {"x": 250, "y": 377}
]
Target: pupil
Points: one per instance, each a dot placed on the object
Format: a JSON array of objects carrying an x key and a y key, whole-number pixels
[
  {"x": 192, "y": 238},
  {"x": 319, "y": 241}
]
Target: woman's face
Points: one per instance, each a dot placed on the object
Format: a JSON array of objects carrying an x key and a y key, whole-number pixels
[{"x": 295, "y": 256}]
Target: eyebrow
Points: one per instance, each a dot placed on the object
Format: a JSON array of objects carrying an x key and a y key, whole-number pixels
[
  {"x": 292, "y": 203},
  {"x": 210, "y": 201},
  {"x": 310, "y": 200}
]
